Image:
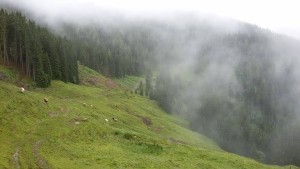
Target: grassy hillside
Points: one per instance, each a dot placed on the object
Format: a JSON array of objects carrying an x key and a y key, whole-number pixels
[{"x": 75, "y": 129}]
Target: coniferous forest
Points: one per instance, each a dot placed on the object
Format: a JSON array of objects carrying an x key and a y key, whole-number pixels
[
  {"x": 238, "y": 87},
  {"x": 44, "y": 56},
  {"x": 34, "y": 50}
]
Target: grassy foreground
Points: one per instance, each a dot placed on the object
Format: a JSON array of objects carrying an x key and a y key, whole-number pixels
[{"x": 76, "y": 129}]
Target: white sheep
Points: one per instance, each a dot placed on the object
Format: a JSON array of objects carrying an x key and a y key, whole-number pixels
[
  {"x": 106, "y": 120},
  {"x": 46, "y": 100},
  {"x": 22, "y": 89}
]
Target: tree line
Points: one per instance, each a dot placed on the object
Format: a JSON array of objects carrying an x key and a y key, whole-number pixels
[
  {"x": 44, "y": 56},
  {"x": 113, "y": 52},
  {"x": 38, "y": 53}
]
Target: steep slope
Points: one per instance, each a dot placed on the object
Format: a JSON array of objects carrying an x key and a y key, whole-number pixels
[
  {"x": 235, "y": 82},
  {"x": 75, "y": 129}
]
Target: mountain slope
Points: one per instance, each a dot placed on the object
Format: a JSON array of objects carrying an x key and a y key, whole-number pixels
[{"x": 71, "y": 131}]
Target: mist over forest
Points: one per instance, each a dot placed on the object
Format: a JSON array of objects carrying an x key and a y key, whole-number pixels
[{"x": 235, "y": 82}]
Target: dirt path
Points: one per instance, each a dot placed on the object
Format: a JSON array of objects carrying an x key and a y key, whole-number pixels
[
  {"x": 16, "y": 158},
  {"x": 41, "y": 162}
]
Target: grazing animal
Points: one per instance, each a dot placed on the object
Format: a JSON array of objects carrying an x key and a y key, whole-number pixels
[
  {"x": 114, "y": 119},
  {"x": 106, "y": 120},
  {"x": 22, "y": 89},
  {"x": 46, "y": 100}
]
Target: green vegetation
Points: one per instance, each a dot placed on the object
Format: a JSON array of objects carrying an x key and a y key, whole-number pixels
[
  {"x": 34, "y": 50},
  {"x": 9, "y": 75},
  {"x": 130, "y": 82},
  {"x": 236, "y": 87},
  {"x": 70, "y": 131}
]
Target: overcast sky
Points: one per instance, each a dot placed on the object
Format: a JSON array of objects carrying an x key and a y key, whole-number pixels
[{"x": 282, "y": 16}]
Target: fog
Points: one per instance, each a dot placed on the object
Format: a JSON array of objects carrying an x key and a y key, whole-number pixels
[
  {"x": 278, "y": 16},
  {"x": 239, "y": 86},
  {"x": 235, "y": 82}
]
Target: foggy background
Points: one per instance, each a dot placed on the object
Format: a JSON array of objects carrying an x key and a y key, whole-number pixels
[
  {"x": 235, "y": 82},
  {"x": 278, "y": 16}
]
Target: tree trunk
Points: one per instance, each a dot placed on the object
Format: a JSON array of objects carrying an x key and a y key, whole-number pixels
[
  {"x": 21, "y": 53},
  {"x": 33, "y": 73},
  {"x": 2, "y": 55},
  {"x": 5, "y": 55},
  {"x": 15, "y": 48},
  {"x": 27, "y": 63}
]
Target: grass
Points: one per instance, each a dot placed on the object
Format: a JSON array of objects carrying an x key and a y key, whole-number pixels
[
  {"x": 130, "y": 82},
  {"x": 71, "y": 130},
  {"x": 8, "y": 74}
]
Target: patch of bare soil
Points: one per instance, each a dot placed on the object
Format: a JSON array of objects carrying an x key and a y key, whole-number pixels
[
  {"x": 41, "y": 162},
  {"x": 147, "y": 121},
  {"x": 90, "y": 81},
  {"x": 61, "y": 112},
  {"x": 173, "y": 140},
  {"x": 157, "y": 129},
  {"x": 16, "y": 159},
  {"x": 93, "y": 81},
  {"x": 110, "y": 83},
  {"x": 53, "y": 114}
]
